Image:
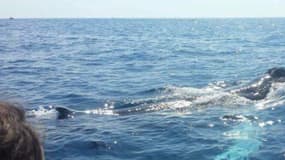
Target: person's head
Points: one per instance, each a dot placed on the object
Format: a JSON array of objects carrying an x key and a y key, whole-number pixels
[{"x": 17, "y": 139}]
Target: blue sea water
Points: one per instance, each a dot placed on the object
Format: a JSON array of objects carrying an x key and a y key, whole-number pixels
[{"x": 166, "y": 77}]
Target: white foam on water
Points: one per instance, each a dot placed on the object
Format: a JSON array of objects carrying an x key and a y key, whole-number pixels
[
  {"x": 167, "y": 105},
  {"x": 42, "y": 111},
  {"x": 246, "y": 141},
  {"x": 246, "y": 135},
  {"x": 208, "y": 96},
  {"x": 264, "y": 124},
  {"x": 178, "y": 104},
  {"x": 100, "y": 111}
]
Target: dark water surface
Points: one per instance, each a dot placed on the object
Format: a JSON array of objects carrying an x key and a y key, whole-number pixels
[{"x": 169, "y": 76}]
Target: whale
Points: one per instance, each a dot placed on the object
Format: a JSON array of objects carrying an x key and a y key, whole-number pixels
[
  {"x": 255, "y": 90},
  {"x": 64, "y": 113},
  {"x": 260, "y": 88}
]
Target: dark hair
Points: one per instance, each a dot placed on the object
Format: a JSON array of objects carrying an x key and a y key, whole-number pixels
[{"x": 18, "y": 141}]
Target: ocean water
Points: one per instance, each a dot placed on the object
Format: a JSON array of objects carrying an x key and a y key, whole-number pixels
[{"x": 146, "y": 88}]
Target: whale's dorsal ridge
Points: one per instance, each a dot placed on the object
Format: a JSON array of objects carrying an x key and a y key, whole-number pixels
[
  {"x": 276, "y": 72},
  {"x": 63, "y": 112}
]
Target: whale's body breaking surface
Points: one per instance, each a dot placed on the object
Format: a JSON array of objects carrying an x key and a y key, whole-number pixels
[
  {"x": 64, "y": 113},
  {"x": 254, "y": 91},
  {"x": 259, "y": 89}
]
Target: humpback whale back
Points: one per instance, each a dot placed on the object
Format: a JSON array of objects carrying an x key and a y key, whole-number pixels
[
  {"x": 278, "y": 74},
  {"x": 259, "y": 89},
  {"x": 63, "y": 112},
  {"x": 177, "y": 98}
]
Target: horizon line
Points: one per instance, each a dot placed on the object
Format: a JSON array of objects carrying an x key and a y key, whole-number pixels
[{"x": 217, "y": 17}]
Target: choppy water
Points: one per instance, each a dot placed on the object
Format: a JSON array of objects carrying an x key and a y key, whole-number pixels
[{"x": 167, "y": 78}]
